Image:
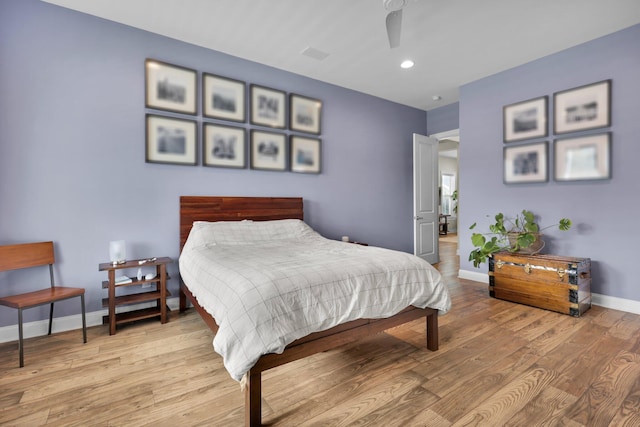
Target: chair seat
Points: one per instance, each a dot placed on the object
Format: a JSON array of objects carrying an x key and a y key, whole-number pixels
[{"x": 44, "y": 296}]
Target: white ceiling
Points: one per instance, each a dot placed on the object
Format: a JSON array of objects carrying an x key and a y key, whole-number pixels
[{"x": 452, "y": 42}]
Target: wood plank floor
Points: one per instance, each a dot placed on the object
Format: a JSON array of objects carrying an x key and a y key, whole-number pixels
[{"x": 499, "y": 364}]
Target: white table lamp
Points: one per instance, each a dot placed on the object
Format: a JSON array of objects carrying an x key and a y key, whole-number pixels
[{"x": 117, "y": 252}]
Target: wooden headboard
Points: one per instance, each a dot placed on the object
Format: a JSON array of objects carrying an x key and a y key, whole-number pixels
[{"x": 212, "y": 208}]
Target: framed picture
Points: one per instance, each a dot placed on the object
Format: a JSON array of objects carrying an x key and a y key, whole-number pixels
[
  {"x": 304, "y": 114},
  {"x": 585, "y": 107},
  {"x": 224, "y": 146},
  {"x": 170, "y": 87},
  {"x": 171, "y": 140},
  {"x": 305, "y": 154},
  {"x": 223, "y": 98},
  {"x": 268, "y": 107},
  {"x": 526, "y": 163},
  {"x": 525, "y": 120},
  {"x": 268, "y": 150},
  {"x": 583, "y": 158}
]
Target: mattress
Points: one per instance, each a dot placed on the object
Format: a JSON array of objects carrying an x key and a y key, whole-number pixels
[{"x": 268, "y": 283}]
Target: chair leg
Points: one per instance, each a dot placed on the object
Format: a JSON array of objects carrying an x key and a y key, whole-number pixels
[
  {"x": 50, "y": 318},
  {"x": 20, "y": 338},
  {"x": 84, "y": 320}
]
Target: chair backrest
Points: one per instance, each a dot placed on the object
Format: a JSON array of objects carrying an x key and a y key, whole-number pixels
[{"x": 25, "y": 255}]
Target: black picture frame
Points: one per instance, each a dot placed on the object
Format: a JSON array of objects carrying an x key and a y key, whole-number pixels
[
  {"x": 583, "y": 158},
  {"x": 224, "y": 146},
  {"x": 170, "y": 87},
  {"x": 171, "y": 140},
  {"x": 526, "y": 119},
  {"x": 526, "y": 163},
  {"x": 582, "y": 108},
  {"x": 268, "y": 107},
  {"x": 305, "y": 154},
  {"x": 305, "y": 114},
  {"x": 268, "y": 150},
  {"x": 223, "y": 98}
]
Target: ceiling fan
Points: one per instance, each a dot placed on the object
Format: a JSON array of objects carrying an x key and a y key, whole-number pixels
[{"x": 394, "y": 20}]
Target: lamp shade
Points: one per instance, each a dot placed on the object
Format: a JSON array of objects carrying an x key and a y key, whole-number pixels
[{"x": 117, "y": 252}]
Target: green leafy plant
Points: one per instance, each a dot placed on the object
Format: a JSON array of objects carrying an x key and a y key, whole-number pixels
[
  {"x": 454, "y": 197},
  {"x": 512, "y": 234}
]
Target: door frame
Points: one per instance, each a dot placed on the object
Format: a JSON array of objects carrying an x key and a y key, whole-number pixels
[
  {"x": 439, "y": 137},
  {"x": 446, "y": 135}
]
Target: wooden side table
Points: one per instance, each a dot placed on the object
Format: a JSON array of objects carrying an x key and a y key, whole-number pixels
[
  {"x": 444, "y": 224},
  {"x": 158, "y": 292}
]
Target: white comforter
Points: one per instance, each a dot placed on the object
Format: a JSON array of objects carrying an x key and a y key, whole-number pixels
[{"x": 269, "y": 283}]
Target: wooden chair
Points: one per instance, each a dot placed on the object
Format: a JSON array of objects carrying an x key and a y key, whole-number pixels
[{"x": 13, "y": 257}]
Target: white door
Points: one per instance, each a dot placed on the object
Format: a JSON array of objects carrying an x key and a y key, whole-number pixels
[{"x": 425, "y": 198}]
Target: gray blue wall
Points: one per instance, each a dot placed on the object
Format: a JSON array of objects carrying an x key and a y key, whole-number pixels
[
  {"x": 443, "y": 119},
  {"x": 604, "y": 212},
  {"x": 72, "y": 166}
]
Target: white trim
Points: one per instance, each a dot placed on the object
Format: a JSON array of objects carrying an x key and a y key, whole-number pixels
[
  {"x": 446, "y": 134},
  {"x": 614, "y": 303},
  {"x": 473, "y": 275},
  {"x": 68, "y": 323}
]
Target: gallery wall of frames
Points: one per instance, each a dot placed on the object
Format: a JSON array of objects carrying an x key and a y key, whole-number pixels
[
  {"x": 577, "y": 156},
  {"x": 282, "y": 132}
]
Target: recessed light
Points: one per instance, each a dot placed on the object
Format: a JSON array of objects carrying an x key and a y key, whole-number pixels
[
  {"x": 407, "y": 64},
  {"x": 436, "y": 97}
]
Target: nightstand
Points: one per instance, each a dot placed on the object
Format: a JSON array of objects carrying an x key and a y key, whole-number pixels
[{"x": 157, "y": 293}]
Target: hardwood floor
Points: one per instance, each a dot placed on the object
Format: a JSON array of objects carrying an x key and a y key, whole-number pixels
[{"x": 499, "y": 364}]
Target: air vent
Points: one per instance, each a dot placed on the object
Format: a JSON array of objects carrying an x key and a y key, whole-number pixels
[{"x": 314, "y": 53}]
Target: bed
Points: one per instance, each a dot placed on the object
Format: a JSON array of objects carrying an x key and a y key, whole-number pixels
[{"x": 202, "y": 243}]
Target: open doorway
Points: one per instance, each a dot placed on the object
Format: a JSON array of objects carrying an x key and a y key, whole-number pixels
[{"x": 449, "y": 178}]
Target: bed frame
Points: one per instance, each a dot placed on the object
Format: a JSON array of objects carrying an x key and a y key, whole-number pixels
[{"x": 205, "y": 208}]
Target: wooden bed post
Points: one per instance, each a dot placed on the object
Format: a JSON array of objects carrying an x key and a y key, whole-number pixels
[
  {"x": 432, "y": 331},
  {"x": 183, "y": 297},
  {"x": 252, "y": 402}
]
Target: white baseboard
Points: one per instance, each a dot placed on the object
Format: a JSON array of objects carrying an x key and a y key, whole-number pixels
[
  {"x": 68, "y": 323},
  {"x": 614, "y": 303},
  {"x": 473, "y": 275}
]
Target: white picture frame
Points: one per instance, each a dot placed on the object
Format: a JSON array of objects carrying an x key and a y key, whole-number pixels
[
  {"x": 582, "y": 108},
  {"x": 223, "y": 98},
  {"x": 268, "y": 150},
  {"x": 305, "y": 114},
  {"x": 170, "y": 87},
  {"x": 526, "y": 163},
  {"x": 583, "y": 158},
  {"x": 171, "y": 140},
  {"x": 306, "y": 154},
  {"x": 525, "y": 120},
  {"x": 268, "y": 107},
  {"x": 224, "y": 146}
]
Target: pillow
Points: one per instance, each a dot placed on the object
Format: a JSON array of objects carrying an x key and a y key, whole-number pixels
[{"x": 247, "y": 232}]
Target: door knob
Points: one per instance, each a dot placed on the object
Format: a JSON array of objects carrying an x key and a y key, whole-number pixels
[{"x": 419, "y": 217}]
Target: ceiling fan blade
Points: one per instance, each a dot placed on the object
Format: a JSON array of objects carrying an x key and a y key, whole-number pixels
[{"x": 394, "y": 27}]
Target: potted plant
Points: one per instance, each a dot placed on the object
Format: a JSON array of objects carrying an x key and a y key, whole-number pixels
[
  {"x": 519, "y": 234},
  {"x": 454, "y": 197}
]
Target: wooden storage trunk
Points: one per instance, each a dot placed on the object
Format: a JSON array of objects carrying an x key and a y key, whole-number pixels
[{"x": 556, "y": 283}]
